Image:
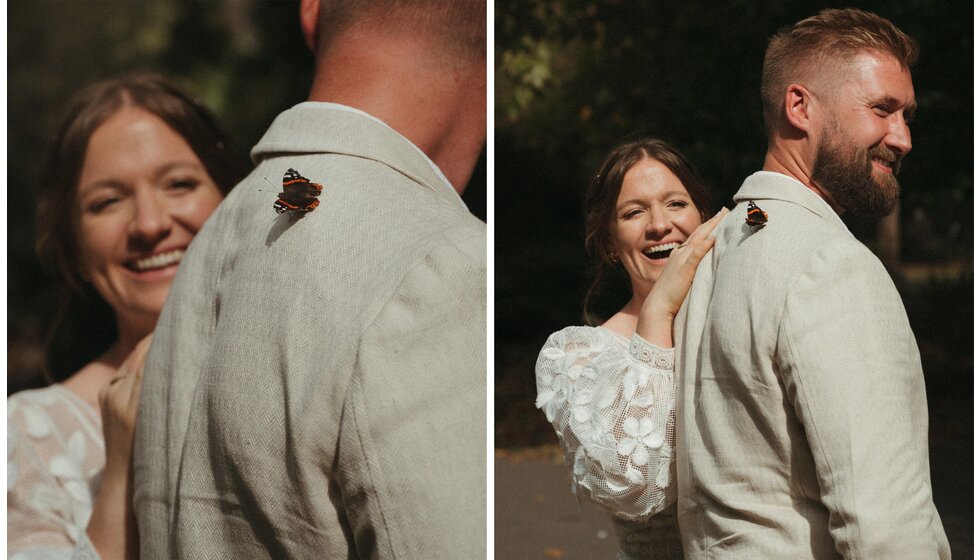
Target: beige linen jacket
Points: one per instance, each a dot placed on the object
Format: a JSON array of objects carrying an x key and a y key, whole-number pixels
[
  {"x": 802, "y": 421},
  {"x": 316, "y": 387}
]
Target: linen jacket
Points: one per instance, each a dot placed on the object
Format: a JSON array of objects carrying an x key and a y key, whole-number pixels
[
  {"x": 316, "y": 387},
  {"x": 802, "y": 421}
]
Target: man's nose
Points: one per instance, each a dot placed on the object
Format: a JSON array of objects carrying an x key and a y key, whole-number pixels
[{"x": 899, "y": 137}]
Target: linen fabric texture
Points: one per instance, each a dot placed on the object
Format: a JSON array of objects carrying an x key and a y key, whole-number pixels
[
  {"x": 55, "y": 460},
  {"x": 316, "y": 386},
  {"x": 802, "y": 420},
  {"x": 611, "y": 402}
]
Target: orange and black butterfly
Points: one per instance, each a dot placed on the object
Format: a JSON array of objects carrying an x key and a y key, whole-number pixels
[
  {"x": 756, "y": 216},
  {"x": 298, "y": 194}
]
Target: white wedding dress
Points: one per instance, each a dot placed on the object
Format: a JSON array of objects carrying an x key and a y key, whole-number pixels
[
  {"x": 55, "y": 459},
  {"x": 611, "y": 401}
]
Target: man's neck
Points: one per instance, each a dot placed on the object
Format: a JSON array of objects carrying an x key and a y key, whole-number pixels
[
  {"x": 403, "y": 81},
  {"x": 789, "y": 162}
]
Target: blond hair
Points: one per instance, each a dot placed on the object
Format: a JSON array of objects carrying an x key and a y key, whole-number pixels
[{"x": 818, "y": 48}]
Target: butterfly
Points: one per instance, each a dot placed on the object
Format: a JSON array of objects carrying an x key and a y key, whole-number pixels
[
  {"x": 299, "y": 194},
  {"x": 756, "y": 216}
]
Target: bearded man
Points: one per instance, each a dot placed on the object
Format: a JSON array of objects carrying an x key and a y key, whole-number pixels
[{"x": 802, "y": 420}]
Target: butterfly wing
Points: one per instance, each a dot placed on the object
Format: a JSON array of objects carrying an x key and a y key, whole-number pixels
[{"x": 756, "y": 216}]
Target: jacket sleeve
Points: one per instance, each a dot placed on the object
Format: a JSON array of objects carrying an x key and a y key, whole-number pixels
[
  {"x": 412, "y": 448},
  {"x": 850, "y": 366}
]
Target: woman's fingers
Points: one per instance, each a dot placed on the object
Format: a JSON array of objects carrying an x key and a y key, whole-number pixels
[
  {"x": 700, "y": 242},
  {"x": 135, "y": 363},
  {"x": 702, "y": 235},
  {"x": 121, "y": 394}
]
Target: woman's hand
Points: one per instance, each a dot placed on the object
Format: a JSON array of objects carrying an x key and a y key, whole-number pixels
[
  {"x": 118, "y": 400},
  {"x": 656, "y": 320},
  {"x": 112, "y": 527}
]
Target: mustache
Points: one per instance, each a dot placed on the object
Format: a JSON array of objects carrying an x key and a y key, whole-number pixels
[{"x": 888, "y": 155}]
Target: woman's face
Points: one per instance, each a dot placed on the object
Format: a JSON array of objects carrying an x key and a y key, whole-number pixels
[
  {"x": 653, "y": 215},
  {"x": 142, "y": 196}
]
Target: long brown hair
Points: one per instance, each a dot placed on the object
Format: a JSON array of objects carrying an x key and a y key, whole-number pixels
[
  {"x": 84, "y": 325},
  {"x": 603, "y": 191}
]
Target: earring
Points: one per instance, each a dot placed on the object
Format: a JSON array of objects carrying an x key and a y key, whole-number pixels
[{"x": 613, "y": 258}]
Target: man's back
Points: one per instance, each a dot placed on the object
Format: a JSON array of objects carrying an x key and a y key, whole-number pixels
[
  {"x": 321, "y": 380},
  {"x": 802, "y": 430}
]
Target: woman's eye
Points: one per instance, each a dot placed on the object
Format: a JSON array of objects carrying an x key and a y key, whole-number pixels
[
  {"x": 102, "y": 203},
  {"x": 631, "y": 213},
  {"x": 183, "y": 184},
  {"x": 678, "y": 204}
]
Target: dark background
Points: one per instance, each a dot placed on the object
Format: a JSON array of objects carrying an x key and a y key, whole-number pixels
[
  {"x": 244, "y": 58},
  {"x": 575, "y": 78}
]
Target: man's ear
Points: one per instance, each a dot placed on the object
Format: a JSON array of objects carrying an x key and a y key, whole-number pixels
[
  {"x": 799, "y": 107},
  {"x": 309, "y": 21}
]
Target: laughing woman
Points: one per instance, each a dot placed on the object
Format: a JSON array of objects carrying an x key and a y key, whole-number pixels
[
  {"x": 134, "y": 170},
  {"x": 609, "y": 390}
]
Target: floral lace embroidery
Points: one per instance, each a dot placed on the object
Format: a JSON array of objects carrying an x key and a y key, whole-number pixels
[
  {"x": 55, "y": 457},
  {"x": 651, "y": 355},
  {"x": 612, "y": 405}
]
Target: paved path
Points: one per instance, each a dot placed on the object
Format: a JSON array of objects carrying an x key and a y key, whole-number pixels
[{"x": 536, "y": 516}]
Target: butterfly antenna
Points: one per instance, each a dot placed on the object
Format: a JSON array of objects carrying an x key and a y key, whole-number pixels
[{"x": 267, "y": 181}]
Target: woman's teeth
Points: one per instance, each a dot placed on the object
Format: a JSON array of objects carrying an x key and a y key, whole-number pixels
[
  {"x": 660, "y": 251},
  {"x": 159, "y": 261}
]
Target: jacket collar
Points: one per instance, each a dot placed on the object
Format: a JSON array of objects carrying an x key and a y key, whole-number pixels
[
  {"x": 768, "y": 185},
  {"x": 316, "y": 127}
]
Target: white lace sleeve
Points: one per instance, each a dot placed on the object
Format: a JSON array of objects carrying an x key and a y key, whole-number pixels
[
  {"x": 50, "y": 472},
  {"x": 613, "y": 409}
]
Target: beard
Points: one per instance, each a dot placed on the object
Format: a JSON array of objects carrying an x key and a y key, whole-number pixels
[{"x": 846, "y": 173}]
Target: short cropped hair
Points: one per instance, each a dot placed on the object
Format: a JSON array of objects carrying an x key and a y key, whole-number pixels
[
  {"x": 819, "y": 47},
  {"x": 460, "y": 26}
]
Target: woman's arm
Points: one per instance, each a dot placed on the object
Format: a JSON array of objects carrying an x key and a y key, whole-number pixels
[
  {"x": 656, "y": 321},
  {"x": 112, "y": 527},
  {"x": 612, "y": 407}
]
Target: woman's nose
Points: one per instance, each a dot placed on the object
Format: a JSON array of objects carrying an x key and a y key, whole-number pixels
[
  {"x": 658, "y": 224},
  {"x": 151, "y": 220}
]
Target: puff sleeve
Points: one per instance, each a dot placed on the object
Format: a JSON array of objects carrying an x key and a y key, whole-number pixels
[
  {"x": 52, "y": 459},
  {"x": 612, "y": 405}
]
